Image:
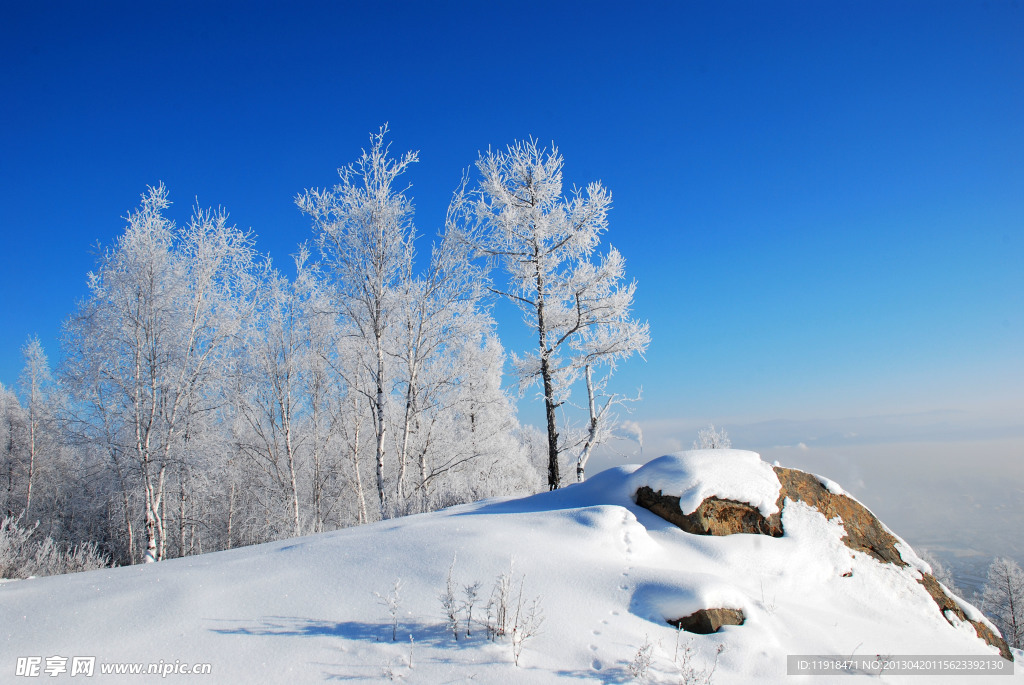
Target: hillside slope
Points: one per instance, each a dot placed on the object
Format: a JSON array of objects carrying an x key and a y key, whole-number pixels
[{"x": 608, "y": 574}]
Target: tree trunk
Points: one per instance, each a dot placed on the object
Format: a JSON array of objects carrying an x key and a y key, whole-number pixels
[
  {"x": 129, "y": 528},
  {"x": 151, "y": 552},
  {"x": 588, "y": 445},
  {"x": 381, "y": 428},
  {"x": 10, "y": 469},
  {"x": 161, "y": 517},
  {"x": 360, "y": 493},
  {"x": 545, "y": 372},
  {"x": 292, "y": 481},
  {"x": 182, "y": 497},
  {"x": 549, "y": 410},
  {"x": 151, "y": 512},
  {"x": 318, "y": 524},
  {"x": 31, "y": 456},
  {"x": 231, "y": 511},
  {"x": 404, "y": 449}
]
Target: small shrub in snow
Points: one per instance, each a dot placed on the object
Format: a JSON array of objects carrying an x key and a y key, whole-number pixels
[
  {"x": 451, "y": 609},
  {"x": 393, "y": 602},
  {"x": 23, "y": 554},
  {"x": 471, "y": 594},
  {"x": 520, "y": 619},
  {"x": 14, "y": 549},
  {"x": 686, "y": 663},
  {"x": 711, "y": 439},
  {"x": 497, "y": 622},
  {"x": 883, "y": 659},
  {"x": 387, "y": 670},
  {"x": 454, "y": 609},
  {"x": 641, "y": 662},
  {"x": 527, "y": 622}
]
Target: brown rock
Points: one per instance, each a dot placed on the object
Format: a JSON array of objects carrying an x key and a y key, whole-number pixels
[
  {"x": 864, "y": 533},
  {"x": 947, "y": 603},
  {"x": 706, "y": 621},
  {"x": 714, "y": 516}
]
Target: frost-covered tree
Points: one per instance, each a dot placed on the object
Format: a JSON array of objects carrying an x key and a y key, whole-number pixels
[
  {"x": 940, "y": 571},
  {"x": 578, "y": 307},
  {"x": 485, "y": 454},
  {"x": 404, "y": 333},
  {"x": 12, "y": 430},
  {"x": 712, "y": 439},
  {"x": 332, "y": 486},
  {"x": 269, "y": 395},
  {"x": 36, "y": 381},
  {"x": 145, "y": 346},
  {"x": 204, "y": 402},
  {"x": 1003, "y": 599},
  {"x": 442, "y": 333},
  {"x": 365, "y": 232},
  {"x": 600, "y": 346},
  {"x": 356, "y": 425}
]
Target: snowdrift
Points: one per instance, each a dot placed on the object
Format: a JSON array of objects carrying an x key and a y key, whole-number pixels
[{"x": 606, "y": 576}]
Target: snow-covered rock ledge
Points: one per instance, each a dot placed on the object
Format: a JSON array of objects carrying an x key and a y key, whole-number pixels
[{"x": 725, "y": 492}]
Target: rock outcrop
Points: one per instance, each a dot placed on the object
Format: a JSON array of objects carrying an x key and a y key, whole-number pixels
[
  {"x": 707, "y": 621},
  {"x": 864, "y": 533},
  {"x": 714, "y": 516}
]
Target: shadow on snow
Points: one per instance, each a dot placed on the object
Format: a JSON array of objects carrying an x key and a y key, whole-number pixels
[{"x": 424, "y": 634}]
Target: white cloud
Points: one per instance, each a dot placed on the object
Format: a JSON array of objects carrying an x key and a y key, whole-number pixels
[{"x": 631, "y": 430}]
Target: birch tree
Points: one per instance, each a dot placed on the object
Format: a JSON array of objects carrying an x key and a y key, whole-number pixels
[
  {"x": 612, "y": 336},
  {"x": 365, "y": 233},
  {"x": 1003, "y": 599},
  {"x": 162, "y": 308},
  {"x": 12, "y": 422},
  {"x": 439, "y": 318},
  {"x": 327, "y": 398},
  {"x": 484, "y": 455},
  {"x": 269, "y": 396},
  {"x": 546, "y": 242},
  {"x": 36, "y": 380}
]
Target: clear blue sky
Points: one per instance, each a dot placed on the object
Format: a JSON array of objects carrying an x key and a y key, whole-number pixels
[{"x": 823, "y": 203}]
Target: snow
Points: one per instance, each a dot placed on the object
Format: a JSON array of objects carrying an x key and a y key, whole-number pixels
[
  {"x": 829, "y": 485},
  {"x": 695, "y": 475},
  {"x": 607, "y": 573}
]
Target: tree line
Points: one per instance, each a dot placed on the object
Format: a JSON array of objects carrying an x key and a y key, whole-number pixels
[{"x": 204, "y": 399}]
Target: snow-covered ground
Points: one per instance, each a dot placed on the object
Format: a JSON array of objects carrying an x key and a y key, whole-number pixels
[{"x": 607, "y": 575}]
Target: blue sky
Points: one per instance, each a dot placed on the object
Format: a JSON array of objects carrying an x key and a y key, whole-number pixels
[{"x": 822, "y": 203}]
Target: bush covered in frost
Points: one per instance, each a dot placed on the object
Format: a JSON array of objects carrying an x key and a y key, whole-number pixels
[{"x": 23, "y": 553}]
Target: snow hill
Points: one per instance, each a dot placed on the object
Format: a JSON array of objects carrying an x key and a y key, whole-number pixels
[{"x": 606, "y": 573}]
